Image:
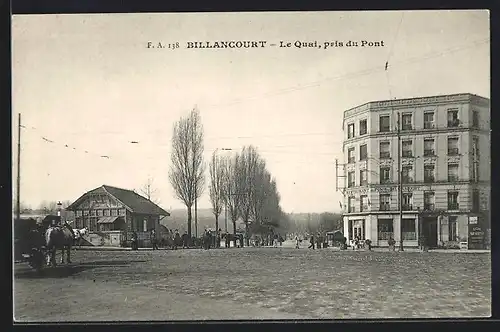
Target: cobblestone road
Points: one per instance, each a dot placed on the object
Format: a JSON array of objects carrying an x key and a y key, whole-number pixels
[{"x": 255, "y": 283}]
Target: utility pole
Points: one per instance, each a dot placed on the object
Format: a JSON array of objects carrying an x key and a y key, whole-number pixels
[
  {"x": 18, "y": 203},
  {"x": 400, "y": 181}
]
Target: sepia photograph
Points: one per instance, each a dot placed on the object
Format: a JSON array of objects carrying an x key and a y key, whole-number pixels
[{"x": 229, "y": 166}]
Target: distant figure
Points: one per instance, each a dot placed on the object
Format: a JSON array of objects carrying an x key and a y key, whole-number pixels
[
  {"x": 154, "y": 244},
  {"x": 184, "y": 239},
  {"x": 311, "y": 242},
  {"x": 391, "y": 242},
  {"x": 276, "y": 240},
  {"x": 177, "y": 239},
  {"x": 218, "y": 238},
  {"x": 297, "y": 242},
  {"x": 134, "y": 241}
]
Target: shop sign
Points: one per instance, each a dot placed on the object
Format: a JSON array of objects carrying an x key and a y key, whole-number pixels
[{"x": 476, "y": 235}]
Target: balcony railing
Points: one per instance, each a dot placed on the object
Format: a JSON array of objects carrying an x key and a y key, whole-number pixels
[
  {"x": 428, "y": 207},
  {"x": 428, "y": 153},
  {"x": 429, "y": 179},
  {"x": 406, "y": 127},
  {"x": 350, "y": 184},
  {"x": 384, "y": 129},
  {"x": 452, "y": 206},
  {"x": 363, "y": 183},
  {"x": 407, "y": 207},
  {"x": 453, "y": 123},
  {"x": 364, "y": 208},
  {"x": 363, "y": 157},
  {"x": 407, "y": 153},
  {"x": 362, "y": 131},
  {"x": 351, "y": 160},
  {"x": 384, "y": 207},
  {"x": 409, "y": 236},
  {"x": 385, "y": 181},
  {"x": 453, "y": 178},
  {"x": 452, "y": 151},
  {"x": 351, "y": 209},
  {"x": 385, "y": 155},
  {"x": 428, "y": 125}
]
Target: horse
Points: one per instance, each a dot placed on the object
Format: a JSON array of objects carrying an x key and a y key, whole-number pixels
[
  {"x": 58, "y": 237},
  {"x": 79, "y": 235}
]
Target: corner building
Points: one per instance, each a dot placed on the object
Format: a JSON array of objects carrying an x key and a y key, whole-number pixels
[{"x": 445, "y": 171}]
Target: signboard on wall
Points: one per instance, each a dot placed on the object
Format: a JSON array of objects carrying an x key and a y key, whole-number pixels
[{"x": 476, "y": 234}]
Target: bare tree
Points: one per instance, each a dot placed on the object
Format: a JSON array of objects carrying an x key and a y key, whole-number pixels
[
  {"x": 232, "y": 188},
  {"x": 150, "y": 191},
  {"x": 186, "y": 172},
  {"x": 248, "y": 168},
  {"x": 216, "y": 190}
]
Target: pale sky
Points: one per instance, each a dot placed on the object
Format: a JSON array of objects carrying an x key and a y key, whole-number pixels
[{"x": 90, "y": 82}]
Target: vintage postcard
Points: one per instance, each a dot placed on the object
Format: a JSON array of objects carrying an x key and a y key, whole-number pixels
[{"x": 251, "y": 166}]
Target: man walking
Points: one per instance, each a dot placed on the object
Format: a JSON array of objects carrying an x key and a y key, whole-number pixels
[{"x": 311, "y": 242}]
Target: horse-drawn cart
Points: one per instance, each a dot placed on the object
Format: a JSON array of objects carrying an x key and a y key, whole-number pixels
[{"x": 29, "y": 243}]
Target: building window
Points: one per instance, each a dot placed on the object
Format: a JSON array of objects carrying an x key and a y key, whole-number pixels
[
  {"x": 85, "y": 212},
  {"x": 385, "y": 150},
  {"x": 93, "y": 212},
  {"x": 364, "y": 203},
  {"x": 475, "y": 119},
  {"x": 452, "y": 200},
  {"x": 429, "y": 147},
  {"x": 452, "y": 146},
  {"x": 78, "y": 213},
  {"x": 121, "y": 212},
  {"x": 407, "y": 150},
  {"x": 350, "y": 130},
  {"x": 428, "y": 120},
  {"x": 363, "y": 177},
  {"x": 428, "y": 173},
  {"x": 351, "y": 179},
  {"x": 475, "y": 200},
  {"x": 453, "y": 118},
  {"x": 385, "y": 202},
  {"x": 407, "y": 174},
  {"x": 114, "y": 212},
  {"x": 350, "y": 205},
  {"x": 363, "y": 127},
  {"x": 99, "y": 213},
  {"x": 385, "y": 175},
  {"x": 453, "y": 172},
  {"x": 363, "y": 152},
  {"x": 351, "y": 158},
  {"x": 406, "y": 119},
  {"x": 429, "y": 201},
  {"x": 384, "y": 123},
  {"x": 385, "y": 228},
  {"x": 452, "y": 228},
  {"x": 407, "y": 202},
  {"x": 475, "y": 147},
  {"x": 408, "y": 229},
  {"x": 106, "y": 212}
]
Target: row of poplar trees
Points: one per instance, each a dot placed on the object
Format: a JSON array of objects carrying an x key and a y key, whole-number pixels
[{"x": 239, "y": 183}]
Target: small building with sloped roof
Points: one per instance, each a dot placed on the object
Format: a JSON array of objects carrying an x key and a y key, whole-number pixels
[{"x": 109, "y": 208}]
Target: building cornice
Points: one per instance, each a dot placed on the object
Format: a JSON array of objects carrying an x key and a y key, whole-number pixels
[{"x": 418, "y": 102}]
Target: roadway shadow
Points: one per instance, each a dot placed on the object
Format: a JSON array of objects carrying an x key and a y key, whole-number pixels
[{"x": 66, "y": 270}]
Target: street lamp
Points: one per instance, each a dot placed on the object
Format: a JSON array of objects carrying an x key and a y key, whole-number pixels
[{"x": 59, "y": 207}]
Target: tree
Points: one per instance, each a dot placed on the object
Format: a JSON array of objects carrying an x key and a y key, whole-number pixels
[
  {"x": 150, "y": 191},
  {"x": 249, "y": 164},
  {"x": 232, "y": 193},
  {"x": 216, "y": 190},
  {"x": 186, "y": 172}
]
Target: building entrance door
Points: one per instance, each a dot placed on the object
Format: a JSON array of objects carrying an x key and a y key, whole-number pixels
[
  {"x": 430, "y": 231},
  {"x": 358, "y": 230}
]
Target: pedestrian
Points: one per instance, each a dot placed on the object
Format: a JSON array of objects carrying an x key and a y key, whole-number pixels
[
  {"x": 311, "y": 242},
  {"x": 297, "y": 242},
  {"x": 153, "y": 240},
  {"x": 134, "y": 240},
  {"x": 184, "y": 240},
  {"x": 219, "y": 237},
  {"x": 177, "y": 239},
  {"x": 276, "y": 240}
]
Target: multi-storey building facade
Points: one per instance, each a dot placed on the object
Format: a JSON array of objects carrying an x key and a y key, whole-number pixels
[{"x": 444, "y": 168}]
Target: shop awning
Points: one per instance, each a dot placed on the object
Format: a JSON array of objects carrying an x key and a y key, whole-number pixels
[{"x": 107, "y": 220}]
